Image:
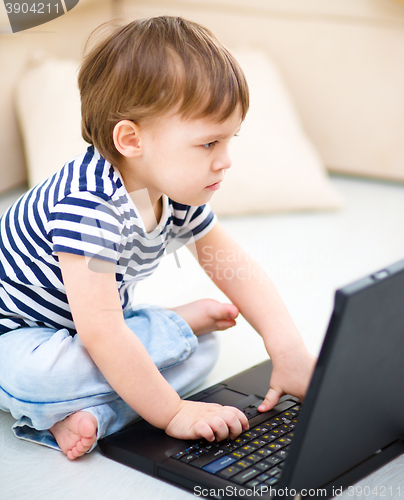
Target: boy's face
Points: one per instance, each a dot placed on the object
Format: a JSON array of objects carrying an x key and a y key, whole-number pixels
[{"x": 184, "y": 159}]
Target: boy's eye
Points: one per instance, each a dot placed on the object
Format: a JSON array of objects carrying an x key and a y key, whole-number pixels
[{"x": 209, "y": 145}]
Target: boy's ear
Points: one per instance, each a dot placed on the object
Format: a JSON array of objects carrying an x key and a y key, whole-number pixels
[{"x": 126, "y": 137}]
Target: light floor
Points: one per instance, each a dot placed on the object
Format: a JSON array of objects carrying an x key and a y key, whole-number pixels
[{"x": 308, "y": 256}]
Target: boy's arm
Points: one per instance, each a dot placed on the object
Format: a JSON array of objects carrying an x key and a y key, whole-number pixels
[
  {"x": 251, "y": 290},
  {"x": 97, "y": 313}
]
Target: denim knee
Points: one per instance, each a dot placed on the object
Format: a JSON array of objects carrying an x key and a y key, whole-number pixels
[
  {"x": 167, "y": 337},
  {"x": 42, "y": 365}
]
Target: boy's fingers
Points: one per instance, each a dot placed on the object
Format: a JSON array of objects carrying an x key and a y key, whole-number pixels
[
  {"x": 229, "y": 423},
  {"x": 241, "y": 416},
  {"x": 220, "y": 427},
  {"x": 271, "y": 399},
  {"x": 204, "y": 430},
  {"x": 213, "y": 422},
  {"x": 237, "y": 422},
  {"x": 223, "y": 324},
  {"x": 234, "y": 425}
]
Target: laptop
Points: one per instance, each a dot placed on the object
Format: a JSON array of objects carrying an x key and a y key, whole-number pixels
[{"x": 351, "y": 422}]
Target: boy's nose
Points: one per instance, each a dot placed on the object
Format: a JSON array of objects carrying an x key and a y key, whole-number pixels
[{"x": 223, "y": 162}]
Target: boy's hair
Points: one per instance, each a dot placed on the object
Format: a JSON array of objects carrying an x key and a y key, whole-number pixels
[{"x": 151, "y": 66}]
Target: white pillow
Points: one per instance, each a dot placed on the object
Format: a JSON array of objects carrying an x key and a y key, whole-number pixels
[
  {"x": 48, "y": 109},
  {"x": 274, "y": 165}
]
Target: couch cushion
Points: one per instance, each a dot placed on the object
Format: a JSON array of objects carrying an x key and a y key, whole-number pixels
[
  {"x": 274, "y": 165},
  {"x": 48, "y": 109}
]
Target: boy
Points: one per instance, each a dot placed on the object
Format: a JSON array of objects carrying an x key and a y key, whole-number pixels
[{"x": 161, "y": 99}]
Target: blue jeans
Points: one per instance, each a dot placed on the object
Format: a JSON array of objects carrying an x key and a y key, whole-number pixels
[{"x": 46, "y": 374}]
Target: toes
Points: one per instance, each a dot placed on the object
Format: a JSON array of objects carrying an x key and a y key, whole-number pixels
[
  {"x": 88, "y": 441},
  {"x": 87, "y": 426},
  {"x": 76, "y": 434},
  {"x": 80, "y": 448},
  {"x": 83, "y": 445},
  {"x": 223, "y": 324},
  {"x": 232, "y": 311},
  {"x": 224, "y": 311}
]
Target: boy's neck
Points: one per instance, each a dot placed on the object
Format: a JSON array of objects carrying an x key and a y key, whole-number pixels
[
  {"x": 147, "y": 201},
  {"x": 149, "y": 212}
]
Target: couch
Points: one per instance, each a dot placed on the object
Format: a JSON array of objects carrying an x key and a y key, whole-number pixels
[{"x": 323, "y": 200}]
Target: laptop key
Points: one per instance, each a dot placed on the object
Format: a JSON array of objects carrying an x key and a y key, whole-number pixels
[
  {"x": 239, "y": 453},
  {"x": 240, "y": 441},
  {"x": 253, "y": 483},
  {"x": 182, "y": 453},
  {"x": 257, "y": 480},
  {"x": 189, "y": 458},
  {"x": 179, "y": 455},
  {"x": 269, "y": 437},
  {"x": 273, "y": 460},
  {"x": 274, "y": 471},
  {"x": 262, "y": 477},
  {"x": 257, "y": 443},
  {"x": 263, "y": 452},
  {"x": 272, "y": 425},
  {"x": 245, "y": 476},
  {"x": 247, "y": 449},
  {"x": 250, "y": 435},
  {"x": 273, "y": 422},
  {"x": 263, "y": 466},
  {"x": 243, "y": 464},
  {"x": 271, "y": 481},
  {"x": 281, "y": 430},
  {"x": 282, "y": 454},
  {"x": 209, "y": 446},
  {"x": 219, "y": 464},
  {"x": 230, "y": 446},
  {"x": 289, "y": 414},
  {"x": 284, "y": 441},
  {"x": 228, "y": 472},
  {"x": 273, "y": 447},
  {"x": 253, "y": 458},
  {"x": 260, "y": 429},
  {"x": 279, "y": 443},
  {"x": 208, "y": 457}
]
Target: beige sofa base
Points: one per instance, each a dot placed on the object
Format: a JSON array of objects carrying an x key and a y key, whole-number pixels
[{"x": 341, "y": 60}]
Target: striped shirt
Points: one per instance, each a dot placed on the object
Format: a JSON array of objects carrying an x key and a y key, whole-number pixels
[{"x": 83, "y": 209}]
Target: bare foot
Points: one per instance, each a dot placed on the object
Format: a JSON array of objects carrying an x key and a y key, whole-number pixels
[
  {"x": 76, "y": 433},
  {"x": 207, "y": 315}
]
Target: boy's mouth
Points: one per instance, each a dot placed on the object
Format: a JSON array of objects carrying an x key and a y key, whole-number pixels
[{"x": 214, "y": 186}]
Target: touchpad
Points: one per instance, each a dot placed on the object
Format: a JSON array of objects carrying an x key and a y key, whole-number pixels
[{"x": 227, "y": 397}]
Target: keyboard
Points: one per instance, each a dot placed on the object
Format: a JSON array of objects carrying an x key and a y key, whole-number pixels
[{"x": 255, "y": 458}]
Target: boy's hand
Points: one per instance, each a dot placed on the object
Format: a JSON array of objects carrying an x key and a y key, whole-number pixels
[
  {"x": 211, "y": 421},
  {"x": 291, "y": 374}
]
